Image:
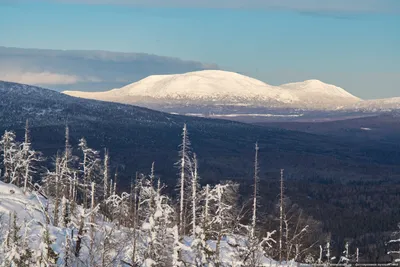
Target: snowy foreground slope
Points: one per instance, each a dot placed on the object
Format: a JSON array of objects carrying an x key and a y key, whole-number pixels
[
  {"x": 223, "y": 87},
  {"x": 30, "y": 209}
]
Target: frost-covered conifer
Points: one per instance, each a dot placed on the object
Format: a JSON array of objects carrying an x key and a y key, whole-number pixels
[
  {"x": 17, "y": 252},
  {"x": 46, "y": 256}
]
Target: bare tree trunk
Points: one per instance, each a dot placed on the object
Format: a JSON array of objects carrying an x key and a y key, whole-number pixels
[
  {"x": 206, "y": 208},
  {"x": 255, "y": 193},
  {"x": 115, "y": 182},
  {"x": 151, "y": 202},
  {"x": 92, "y": 220},
  {"x": 281, "y": 219},
  {"x": 194, "y": 192},
  {"x": 26, "y": 150},
  {"x": 78, "y": 244},
  {"x": 217, "y": 251},
  {"x": 86, "y": 183},
  {"x": 57, "y": 196},
  {"x": 111, "y": 187},
  {"x": 182, "y": 182},
  {"x": 105, "y": 174},
  {"x": 135, "y": 219}
]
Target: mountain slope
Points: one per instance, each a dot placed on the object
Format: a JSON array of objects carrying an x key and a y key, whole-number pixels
[
  {"x": 222, "y": 87},
  {"x": 35, "y": 219},
  {"x": 383, "y": 128},
  {"x": 384, "y": 104},
  {"x": 316, "y": 94},
  {"x": 320, "y": 171}
]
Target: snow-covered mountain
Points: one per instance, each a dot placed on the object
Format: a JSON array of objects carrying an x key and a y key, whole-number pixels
[
  {"x": 319, "y": 95},
  {"x": 224, "y": 88},
  {"x": 384, "y": 104}
]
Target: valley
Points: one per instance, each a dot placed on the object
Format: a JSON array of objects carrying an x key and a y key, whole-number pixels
[
  {"x": 333, "y": 169},
  {"x": 223, "y": 133}
]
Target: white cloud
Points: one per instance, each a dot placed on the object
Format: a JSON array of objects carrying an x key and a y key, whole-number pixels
[{"x": 44, "y": 78}]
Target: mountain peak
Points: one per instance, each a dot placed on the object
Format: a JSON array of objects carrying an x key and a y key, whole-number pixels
[
  {"x": 314, "y": 82},
  {"x": 319, "y": 89}
]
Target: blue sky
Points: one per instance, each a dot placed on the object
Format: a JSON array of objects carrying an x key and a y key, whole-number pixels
[{"x": 355, "y": 46}]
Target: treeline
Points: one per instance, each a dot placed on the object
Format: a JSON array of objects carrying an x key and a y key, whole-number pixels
[{"x": 210, "y": 225}]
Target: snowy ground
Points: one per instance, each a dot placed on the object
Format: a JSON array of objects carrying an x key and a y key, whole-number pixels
[{"x": 29, "y": 209}]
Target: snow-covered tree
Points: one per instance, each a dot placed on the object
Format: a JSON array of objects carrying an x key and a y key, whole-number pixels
[
  {"x": 57, "y": 187},
  {"x": 328, "y": 251},
  {"x": 223, "y": 200},
  {"x": 29, "y": 157},
  {"x": 157, "y": 228},
  {"x": 301, "y": 233},
  {"x": 67, "y": 175},
  {"x": 90, "y": 168},
  {"x": 17, "y": 159},
  {"x": 83, "y": 224},
  {"x": 184, "y": 165},
  {"x": 200, "y": 248},
  {"x": 17, "y": 251},
  {"x": 140, "y": 227},
  {"x": 394, "y": 245},
  {"x": 8, "y": 150},
  {"x": 45, "y": 255}
]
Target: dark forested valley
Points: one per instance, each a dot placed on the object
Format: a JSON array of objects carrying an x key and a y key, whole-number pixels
[{"x": 351, "y": 186}]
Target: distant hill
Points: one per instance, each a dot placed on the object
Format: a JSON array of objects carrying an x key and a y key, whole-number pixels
[
  {"x": 228, "y": 95},
  {"x": 225, "y": 88}
]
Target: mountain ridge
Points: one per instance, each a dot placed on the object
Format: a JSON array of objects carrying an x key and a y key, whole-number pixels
[{"x": 222, "y": 87}]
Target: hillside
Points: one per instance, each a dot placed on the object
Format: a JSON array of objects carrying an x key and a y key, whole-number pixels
[
  {"x": 384, "y": 104},
  {"x": 37, "y": 231},
  {"x": 320, "y": 170},
  {"x": 383, "y": 128}
]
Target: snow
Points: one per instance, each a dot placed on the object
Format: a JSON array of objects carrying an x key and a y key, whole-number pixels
[
  {"x": 318, "y": 94},
  {"x": 204, "y": 85},
  {"x": 384, "y": 104},
  {"x": 28, "y": 208},
  {"x": 221, "y": 87},
  {"x": 316, "y": 86},
  {"x": 256, "y": 115},
  {"x": 242, "y": 115}
]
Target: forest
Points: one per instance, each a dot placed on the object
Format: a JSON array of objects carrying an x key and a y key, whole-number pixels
[{"x": 82, "y": 217}]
